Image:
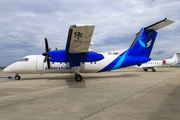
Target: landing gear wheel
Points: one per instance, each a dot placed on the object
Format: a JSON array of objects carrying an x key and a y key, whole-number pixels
[
  {"x": 76, "y": 69},
  {"x": 17, "y": 77},
  {"x": 153, "y": 70},
  {"x": 145, "y": 69},
  {"x": 78, "y": 77}
]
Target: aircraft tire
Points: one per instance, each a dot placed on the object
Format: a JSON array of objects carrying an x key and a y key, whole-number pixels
[
  {"x": 153, "y": 70},
  {"x": 78, "y": 77},
  {"x": 17, "y": 77},
  {"x": 145, "y": 69}
]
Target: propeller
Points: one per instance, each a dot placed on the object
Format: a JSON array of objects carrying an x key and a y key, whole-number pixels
[{"x": 46, "y": 54}]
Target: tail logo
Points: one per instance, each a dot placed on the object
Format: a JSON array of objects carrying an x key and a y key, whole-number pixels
[
  {"x": 149, "y": 43},
  {"x": 143, "y": 44}
]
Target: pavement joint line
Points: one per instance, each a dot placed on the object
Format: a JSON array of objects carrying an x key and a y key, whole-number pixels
[
  {"x": 9, "y": 92},
  {"x": 126, "y": 98}
]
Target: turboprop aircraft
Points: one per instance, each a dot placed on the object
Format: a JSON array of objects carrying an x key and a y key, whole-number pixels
[
  {"x": 78, "y": 58},
  {"x": 157, "y": 63}
]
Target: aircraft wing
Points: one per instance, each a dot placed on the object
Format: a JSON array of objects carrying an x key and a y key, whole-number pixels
[
  {"x": 79, "y": 38},
  {"x": 160, "y": 24}
]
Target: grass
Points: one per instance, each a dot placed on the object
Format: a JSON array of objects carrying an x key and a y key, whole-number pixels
[{"x": 1, "y": 68}]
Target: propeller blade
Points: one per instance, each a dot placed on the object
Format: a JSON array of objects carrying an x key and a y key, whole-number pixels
[
  {"x": 46, "y": 45},
  {"x": 48, "y": 63},
  {"x": 46, "y": 58},
  {"x": 46, "y": 54}
]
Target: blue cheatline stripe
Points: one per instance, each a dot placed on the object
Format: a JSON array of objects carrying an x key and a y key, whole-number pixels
[
  {"x": 119, "y": 63},
  {"x": 113, "y": 63}
]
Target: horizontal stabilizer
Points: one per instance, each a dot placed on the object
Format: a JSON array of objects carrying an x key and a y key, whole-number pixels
[{"x": 160, "y": 24}]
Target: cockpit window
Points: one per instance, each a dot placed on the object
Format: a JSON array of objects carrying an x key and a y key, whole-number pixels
[{"x": 24, "y": 59}]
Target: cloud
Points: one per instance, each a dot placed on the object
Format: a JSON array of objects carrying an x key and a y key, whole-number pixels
[
  {"x": 24, "y": 24},
  {"x": 156, "y": 51}
]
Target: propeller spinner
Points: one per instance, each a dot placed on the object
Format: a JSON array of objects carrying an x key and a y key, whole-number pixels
[{"x": 46, "y": 54}]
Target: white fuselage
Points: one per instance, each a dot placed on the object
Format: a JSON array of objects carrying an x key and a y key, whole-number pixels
[
  {"x": 33, "y": 64},
  {"x": 157, "y": 63}
]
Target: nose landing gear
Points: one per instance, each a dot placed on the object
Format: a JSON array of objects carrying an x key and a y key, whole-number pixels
[{"x": 17, "y": 77}]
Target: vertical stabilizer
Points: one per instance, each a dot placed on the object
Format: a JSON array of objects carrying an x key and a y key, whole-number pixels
[
  {"x": 176, "y": 57},
  {"x": 140, "y": 49},
  {"x": 143, "y": 43}
]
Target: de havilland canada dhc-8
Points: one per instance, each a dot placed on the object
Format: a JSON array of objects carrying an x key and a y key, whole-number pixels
[{"x": 78, "y": 58}]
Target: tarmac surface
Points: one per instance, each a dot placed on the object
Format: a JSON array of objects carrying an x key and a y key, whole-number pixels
[{"x": 125, "y": 94}]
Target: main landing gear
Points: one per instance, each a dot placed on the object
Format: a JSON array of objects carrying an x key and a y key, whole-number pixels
[
  {"x": 78, "y": 77},
  {"x": 153, "y": 70},
  {"x": 145, "y": 70},
  {"x": 17, "y": 77}
]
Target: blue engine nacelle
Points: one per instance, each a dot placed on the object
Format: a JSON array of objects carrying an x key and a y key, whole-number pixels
[{"x": 62, "y": 56}]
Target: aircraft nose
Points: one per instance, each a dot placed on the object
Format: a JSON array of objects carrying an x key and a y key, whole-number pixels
[{"x": 8, "y": 69}]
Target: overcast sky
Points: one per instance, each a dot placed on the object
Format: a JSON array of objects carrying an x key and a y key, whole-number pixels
[{"x": 25, "y": 23}]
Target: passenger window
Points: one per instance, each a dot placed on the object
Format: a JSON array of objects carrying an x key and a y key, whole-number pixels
[{"x": 24, "y": 59}]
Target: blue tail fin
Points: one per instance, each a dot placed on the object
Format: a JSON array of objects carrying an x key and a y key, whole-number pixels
[
  {"x": 143, "y": 43},
  {"x": 140, "y": 49}
]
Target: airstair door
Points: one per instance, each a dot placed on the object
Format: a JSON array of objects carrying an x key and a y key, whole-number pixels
[{"x": 40, "y": 63}]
